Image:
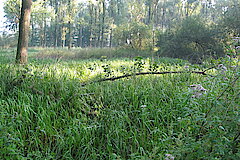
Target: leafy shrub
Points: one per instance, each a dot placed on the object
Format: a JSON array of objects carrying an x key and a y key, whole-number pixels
[
  {"x": 134, "y": 35},
  {"x": 231, "y": 21},
  {"x": 192, "y": 40}
]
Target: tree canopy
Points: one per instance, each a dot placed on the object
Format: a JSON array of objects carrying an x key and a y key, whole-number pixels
[{"x": 130, "y": 23}]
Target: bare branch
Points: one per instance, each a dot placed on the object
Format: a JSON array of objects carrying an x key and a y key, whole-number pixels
[
  {"x": 148, "y": 73},
  {"x": 209, "y": 68}
]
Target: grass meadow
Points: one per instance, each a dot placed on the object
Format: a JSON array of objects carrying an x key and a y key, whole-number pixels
[{"x": 61, "y": 106}]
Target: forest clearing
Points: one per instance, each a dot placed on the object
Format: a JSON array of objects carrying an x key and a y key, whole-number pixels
[{"x": 120, "y": 80}]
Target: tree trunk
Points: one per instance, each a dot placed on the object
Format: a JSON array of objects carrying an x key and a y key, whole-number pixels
[
  {"x": 110, "y": 38},
  {"x": 69, "y": 35},
  {"x": 69, "y": 25},
  {"x": 56, "y": 25},
  {"x": 96, "y": 26},
  {"x": 149, "y": 13},
  {"x": 45, "y": 27},
  {"x": 91, "y": 24},
  {"x": 80, "y": 37},
  {"x": 99, "y": 26},
  {"x": 118, "y": 11},
  {"x": 103, "y": 23},
  {"x": 32, "y": 35},
  {"x": 163, "y": 16},
  {"x": 24, "y": 24},
  {"x": 45, "y": 33}
]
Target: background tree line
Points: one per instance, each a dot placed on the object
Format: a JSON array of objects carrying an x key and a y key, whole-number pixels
[{"x": 179, "y": 28}]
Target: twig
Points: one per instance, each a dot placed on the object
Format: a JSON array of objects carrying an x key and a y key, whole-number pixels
[
  {"x": 236, "y": 137},
  {"x": 209, "y": 68},
  {"x": 235, "y": 143}
]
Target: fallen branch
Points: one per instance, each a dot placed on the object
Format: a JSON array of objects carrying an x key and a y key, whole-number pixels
[
  {"x": 147, "y": 73},
  {"x": 209, "y": 68}
]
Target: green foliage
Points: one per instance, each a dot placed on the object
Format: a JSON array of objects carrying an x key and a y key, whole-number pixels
[
  {"x": 12, "y": 13},
  {"x": 231, "y": 20},
  {"x": 191, "y": 39},
  {"x": 134, "y": 35},
  {"x": 46, "y": 113},
  {"x": 92, "y": 23}
]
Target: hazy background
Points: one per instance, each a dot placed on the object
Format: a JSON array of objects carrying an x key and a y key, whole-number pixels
[
  {"x": 2, "y": 19},
  {"x": 1, "y": 9}
]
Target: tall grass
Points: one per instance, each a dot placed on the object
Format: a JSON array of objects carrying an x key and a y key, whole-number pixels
[
  {"x": 46, "y": 112},
  {"x": 92, "y": 53}
]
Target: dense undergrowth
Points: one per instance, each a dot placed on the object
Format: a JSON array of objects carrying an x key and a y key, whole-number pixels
[{"x": 47, "y": 113}]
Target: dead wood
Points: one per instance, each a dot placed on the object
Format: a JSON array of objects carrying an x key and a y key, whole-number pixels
[{"x": 150, "y": 73}]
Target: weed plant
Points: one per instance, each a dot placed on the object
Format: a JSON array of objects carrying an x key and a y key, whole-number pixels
[{"x": 47, "y": 113}]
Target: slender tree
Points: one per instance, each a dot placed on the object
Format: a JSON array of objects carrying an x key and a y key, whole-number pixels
[
  {"x": 69, "y": 24},
  {"x": 103, "y": 22},
  {"x": 56, "y": 27},
  {"x": 24, "y": 24},
  {"x": 91, "y": 10}
]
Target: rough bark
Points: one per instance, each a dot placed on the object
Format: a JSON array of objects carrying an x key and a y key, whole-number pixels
[{"x": 24, "y": 24}]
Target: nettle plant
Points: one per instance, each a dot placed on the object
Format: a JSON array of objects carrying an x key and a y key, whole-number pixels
[{"x": 213, "y": 113}]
